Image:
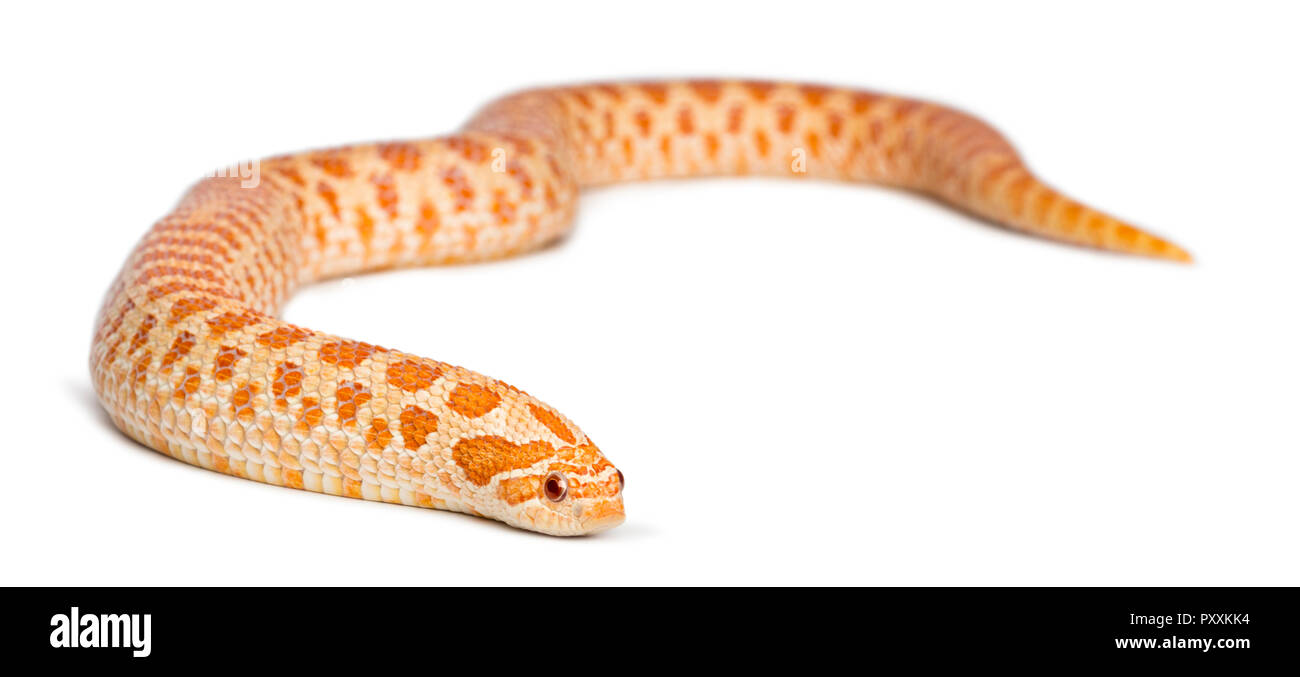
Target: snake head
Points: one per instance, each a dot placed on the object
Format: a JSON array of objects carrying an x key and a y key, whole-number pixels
[
  {"x": 562, "y": 491},
  {"x": 578, "y": 491}
]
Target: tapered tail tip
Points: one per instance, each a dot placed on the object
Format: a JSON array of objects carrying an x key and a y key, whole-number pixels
[
  {"x": 1163, "y": 249},
  {"x": 1130, "y": 240}
]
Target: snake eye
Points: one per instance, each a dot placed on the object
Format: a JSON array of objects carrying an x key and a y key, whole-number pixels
[
  {"x": 620, "y": 479},
  {"x": 555, "y": 487}
]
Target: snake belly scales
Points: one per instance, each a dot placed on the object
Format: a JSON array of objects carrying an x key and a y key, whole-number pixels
[{"x": 189, "y": 357}]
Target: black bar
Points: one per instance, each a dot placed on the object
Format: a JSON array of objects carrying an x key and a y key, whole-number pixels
[{"x": 424, "y": 627}]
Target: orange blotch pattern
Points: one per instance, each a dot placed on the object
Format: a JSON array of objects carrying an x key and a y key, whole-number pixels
[
  {"x": 834, "y": 124},
  {"x": 330, "y": 196},
  {"x": 503, "y": 208},
  {"x": 612, "y": 91},
  {"x": 401, "y": 156},
  {"x": 711, "y": 146},
  {"x": 516, "y": 171},
  {"x": 348, "y": 354},
  {"x": 223, "y": 367},
  {"x": 189, "y": 384},
  {"x": 232, "y": 321},
  {"x": 553, "y": 423},
  {"x": 735, "y": 117},
  {"x": 656, "y": 92},
  {"x": 814, "y": 143},
  {"x": 458, "y": 185},
  {"x": 413, "y": 375},
  {"x": 472, "y": 400},
  {"x": 1070, "y": 214},
  {"x": 685, "y": 121},
  {"x": 293, "y": 175},
  {"x": 333, "y": 163},
  {"x": 708, "y": 90},
  {"x": 188, "y": 306},
  {"x": 176, "y": 286},
  {"x": 311, "y": 414},
  {"x": 1127, "y": 235},
  {"x": 286, "y": 382},
  {"x": 516, "y": 490},
  {"x": 863, "y": 102},
  {"x": 759, "y": 90},
  {"x": 785, "y": 118},
  {"x": 140, "y": 370},
  {"x": 416, "y": 425},
  {"x": 582, "y": 99},
  {"x": 378, "y": 435},
  {"x": 350, "y": 397},
  {"x": 141, "y": 334},
  {"x": 814, "y": 94},
  {"x": 642, "y": 120},
  {"x": 282, "y": 336},
  {"x": 156, "y": 272},
  {"x": 241, "y": 402},
  {"x": 385, "y": 193},
  {"x": 180, "y": 347},
  {"x": 628, "y": 151},
  {"x": 483, "y": 457},
  {"x": 427, "y": 223},
  {"x": 292, "y": 478},
  {"x": 365, "y": 227},
  {"x": 471, "y": 150}
]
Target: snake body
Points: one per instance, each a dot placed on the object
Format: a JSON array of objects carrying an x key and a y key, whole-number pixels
[{"x": 189, "y": 357}]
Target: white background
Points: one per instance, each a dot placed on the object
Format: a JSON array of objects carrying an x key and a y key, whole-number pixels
[{"x": 804, "y": 383}]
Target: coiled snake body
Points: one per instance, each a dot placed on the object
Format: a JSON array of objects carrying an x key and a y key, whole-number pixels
[{"x": 189, "y": 358}]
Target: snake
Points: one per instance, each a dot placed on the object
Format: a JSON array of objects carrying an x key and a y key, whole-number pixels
[{"x": 189, "y": 357}]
